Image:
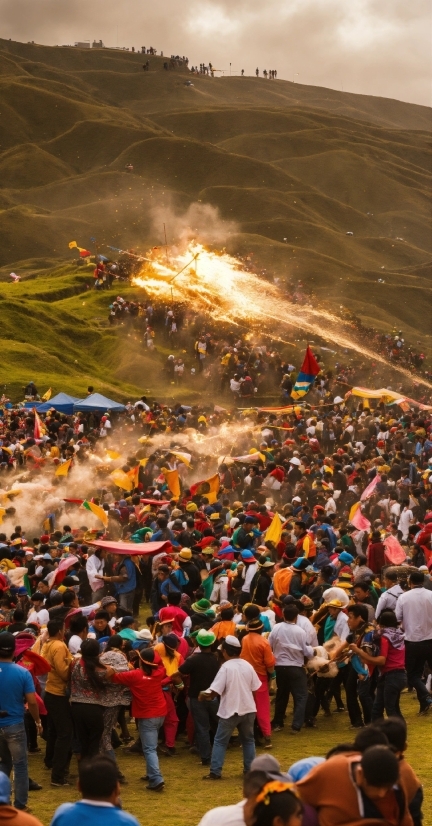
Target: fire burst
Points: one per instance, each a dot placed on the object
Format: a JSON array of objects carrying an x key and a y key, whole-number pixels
[{"x": 217, "y": 283}]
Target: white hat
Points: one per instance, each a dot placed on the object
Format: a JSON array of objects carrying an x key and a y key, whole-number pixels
[
  {"x": 231, "y": 640},
  {"x": 337, "y": 400},
  {"x": 295, "y": 461},
  {"x": 296, "y": 499},
  {"x": 144, "y": 634}
]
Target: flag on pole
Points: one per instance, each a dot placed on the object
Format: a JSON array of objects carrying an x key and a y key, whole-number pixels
[
  {"x": 97, "y": 510},
  {"x": 357, "y": 519},
  {"x": 121, "y": 479},
  {"x": 173, "y": 481},
  {"x": 208, "y": 488},
  {"x": 46, "y": 396},
  {"x": 63, "y": 469},
  {"x": 305, "y": 379},
  {"x": 367, "y": 493},
  {"x": 274, "y": 530},
  {"x": 39, "y": 429},
  {"x": 133, "y": 475}
]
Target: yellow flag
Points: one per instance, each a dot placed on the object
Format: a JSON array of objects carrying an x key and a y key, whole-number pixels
[
  {"x": 72, "y": 244},
  {"x": 274, "y": 530},
  {"x": 134, "y": 476},
  {"x": 353, "y": 511},
  {"x": 46, "y": 396},
  {"x": 208, "y": 488},
  {"x": 113, "y": 454},
  {"x": 2, "y": 514},
  {"x": 182, "y": 457},
  {"x": 173, "y": 481},
  {"x": 121, "y": 479},
  {"x": 143, "y": 462},
  {"x": 97, "y": 510},
  {"x": 63, "y": 469}
]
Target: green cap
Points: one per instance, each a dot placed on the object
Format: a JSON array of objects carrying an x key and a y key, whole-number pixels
[{"x": 205, "y": 638}]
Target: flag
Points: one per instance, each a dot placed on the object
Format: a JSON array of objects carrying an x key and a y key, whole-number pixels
[
  {"x": 173, "y": 481},
  {"x": 97, "y": 510},
  {"x": 370, "y": 488},
  {"x": 208, "y": 488},
  {"x": 113, "y": 454},
  {"x": 2, "y": 514},
  {"x": 46, "y": 396},
  {"x": 39, "y": 429},
  {"x": 274, "y": 530},
  {"x": 63, "y": 469},
  {"x": 48, "y": 524},
  {"x": 82, "y": 251},
  {"x": 143, "y": 462},
  {"x": 305, "y": 379},
  {"x": 182, "y": 457},
  {"x": 394, "y": 551},
  {"x": 357, "y": 519},
  {"x": 61, "y": 571},
  {"x": 133, "y": 475},
  {"x": 121, "y": 479}
]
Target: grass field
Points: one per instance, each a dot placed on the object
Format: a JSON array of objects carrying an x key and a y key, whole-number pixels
[{"x": 187, "y": 796}]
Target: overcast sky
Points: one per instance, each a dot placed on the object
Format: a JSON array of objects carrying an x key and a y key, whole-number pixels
[{"x": 375, "y": 47}]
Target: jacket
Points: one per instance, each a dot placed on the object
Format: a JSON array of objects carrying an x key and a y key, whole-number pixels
[{"x": 57, "y": 654}]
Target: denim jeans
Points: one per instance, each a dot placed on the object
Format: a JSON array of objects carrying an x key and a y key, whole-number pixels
[
  {"x": 205, "y": 720},
  {"x": 149, "y": 729},
  {"x": 366, "y": 699},
  {"x": 16, "y": 740},
  {"x": 388, "y": 692},
  {"x": 245, "y": 725},
  {"x": 290, "y": 679},
  {"x": 126, "y": 601}
]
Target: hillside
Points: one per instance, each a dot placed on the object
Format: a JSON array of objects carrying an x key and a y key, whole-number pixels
[{"x": 296, "y": 167}]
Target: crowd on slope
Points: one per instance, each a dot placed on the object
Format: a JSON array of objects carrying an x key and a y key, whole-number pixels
[{"x": 270, "y": 579}]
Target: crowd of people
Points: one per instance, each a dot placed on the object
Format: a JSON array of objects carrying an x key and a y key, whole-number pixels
[{"x": 299, "y": 567}]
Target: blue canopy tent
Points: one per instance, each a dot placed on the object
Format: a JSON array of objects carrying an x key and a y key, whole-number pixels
[
  {"x": 97, "y": 403},
  {"x": 61, "y": 402}
]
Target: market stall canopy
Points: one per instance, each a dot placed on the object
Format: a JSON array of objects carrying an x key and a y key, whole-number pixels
[
  {"x": 133, "y": 548},
  {"x": 98, "y": 403},
  {"x": 61, "y": 402}
]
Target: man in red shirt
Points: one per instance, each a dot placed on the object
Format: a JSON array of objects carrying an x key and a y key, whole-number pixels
[{"x": 180, "y": 619}]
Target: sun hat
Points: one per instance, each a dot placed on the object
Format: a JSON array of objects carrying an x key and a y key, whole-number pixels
[
  {"x": 17, "y": 541},
  {"x": 335, "y": 603},
  {"x": 185, "y": 553},
  {"x": 202, "y": 606},
  {"x": 214, "y": 517},
  {"x": 205, "y": 638},
  {"x": 295, "y": 461},
  {"x": 207, "y": 551},
  {"x": 191, "y": 507},
  {"x": 265, "y": 562},
  {"x": 247, "y": 556},
  {"x": 346, "y": 558},
  {"x": 108, "y": 601},
  {"x": 144, "y": 634}
]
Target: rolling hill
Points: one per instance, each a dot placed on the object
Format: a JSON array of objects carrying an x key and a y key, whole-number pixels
[{"x": 296, "y": 167}]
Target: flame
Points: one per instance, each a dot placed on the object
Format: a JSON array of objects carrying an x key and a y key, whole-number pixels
[{"x": 217, "y": 282}]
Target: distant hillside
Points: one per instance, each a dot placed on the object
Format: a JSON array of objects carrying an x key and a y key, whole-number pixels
[{"x": 297, "y": 167}]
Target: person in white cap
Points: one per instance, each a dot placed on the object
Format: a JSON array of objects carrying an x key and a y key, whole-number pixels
[{"x": 235, "y": 684}]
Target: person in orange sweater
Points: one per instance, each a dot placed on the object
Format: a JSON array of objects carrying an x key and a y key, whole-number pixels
[
  {"x": 225, "y": 626},
  {"x": 257, "y": 652},
  {"x": 357, "y": 790}
]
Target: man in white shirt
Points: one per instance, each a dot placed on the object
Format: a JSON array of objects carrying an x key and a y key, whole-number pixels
[
  {"x": 290, "y": 648},
  {"x": 389, "y": 598},
  {"x": 414, "y": 611},
  {"x": 95, "y": 567},
  {"x": 235, "y": 684}
]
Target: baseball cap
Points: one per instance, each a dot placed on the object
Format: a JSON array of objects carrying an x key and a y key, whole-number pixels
[
  {"x": 7, "y": 643},
  {"x": 22, "y": 591}
]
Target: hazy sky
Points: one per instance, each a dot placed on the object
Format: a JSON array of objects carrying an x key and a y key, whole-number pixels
[{"x": 375, "y": 47}]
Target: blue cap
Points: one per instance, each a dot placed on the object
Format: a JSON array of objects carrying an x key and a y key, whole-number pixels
[
  {"x": 5, "y": 788},
  {"x": 21, "y": 591},
  {"x": 302, "y": 768},
  {"x": 301, "y": 563},
  {"x": 247, "y": 555},
  {"x": 346, "y": 558}
]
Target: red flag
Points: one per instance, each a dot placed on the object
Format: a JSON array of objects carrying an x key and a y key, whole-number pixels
[{"x": 310, "y": 365}]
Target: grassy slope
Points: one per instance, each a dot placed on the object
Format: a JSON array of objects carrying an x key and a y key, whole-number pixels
[{"x": 285, "y": 161}]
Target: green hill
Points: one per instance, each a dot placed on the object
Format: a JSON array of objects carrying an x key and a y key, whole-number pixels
[{"x": 296, "y": 167}]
